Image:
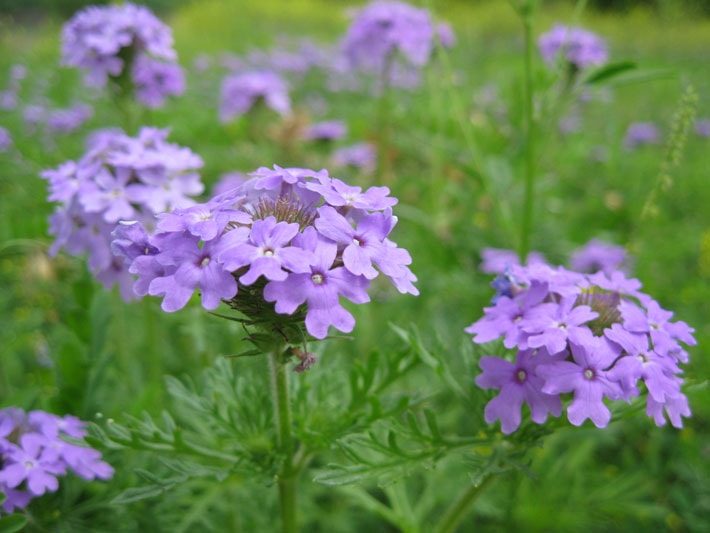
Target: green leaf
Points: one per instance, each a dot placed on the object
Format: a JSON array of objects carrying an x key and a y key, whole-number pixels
[
  {"x": 610, "y": 71},
  {"x": 138, "y": 494},
  {"x": 12, "y": 523}
]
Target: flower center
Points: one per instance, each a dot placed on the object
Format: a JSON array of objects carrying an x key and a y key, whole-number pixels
[
  {"x": 205, "y": 261},
  {"x": 268, "y": 252},
  {"x": 589, "y": 374},
  {"x": 521, "y": 375},
  {"x": 605, "y": 304},
  {"x": 357, "y": 242},
  {"x": 317, "y": 279},
  {"x": 643, "y": 357},
  {"x": 29, "y": 464}
]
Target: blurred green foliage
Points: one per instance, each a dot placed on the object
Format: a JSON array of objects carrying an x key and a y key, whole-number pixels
[{"x": 70, "y": 347}]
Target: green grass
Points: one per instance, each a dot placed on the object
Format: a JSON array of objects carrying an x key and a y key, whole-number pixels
[{"x": 68, "y": 346}]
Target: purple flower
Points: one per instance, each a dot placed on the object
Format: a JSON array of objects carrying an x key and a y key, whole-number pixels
[
  {"x": 587, "y": 378},
  {"x": 241, "y": 92},
  {"x": 498, "y": 260},
  {"x": 276, "y": 225},
  {"x": 640, "y": 134},
  {"x": 577, "y": 46},
  {"x": 119, "y": 178},
  {"x": 339, "y": 194},
  {"x": 614, "y": 334},
  {"x": 445, "y": 34},
  {"x": 29, "y": 462},
  {"x": 385, "y": 28},
  {"x": 34, "y": 453},
  {"x": 98, "y": 38},
  {"x": 265, "y": 252},
  {"x": 597, "y": 256},
  {"x": 505, "y": 317},
  {"x": 361, "y": 155},
  {"x": 702, "y": 127},
  {"x": 227, "y": 182},
  {"x": 330, "y": 130},
  {"x": 551, "y": 325},
  {"x": 195, "y": 267},
  {"x": 5, "y": 140},
  {"x": 320, "y": 288},
  {"x": 155, "y": 81},
  {"x": 362, "y": 244},
  {"x": 518, "y": 383},
  {"x": 62, "y": 121}
]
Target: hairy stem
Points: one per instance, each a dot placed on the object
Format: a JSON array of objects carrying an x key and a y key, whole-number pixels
[
  {"x": 454, "y": 514},
  {"x": 529, "y": 121},
  {"x": 282, "y": 418}
]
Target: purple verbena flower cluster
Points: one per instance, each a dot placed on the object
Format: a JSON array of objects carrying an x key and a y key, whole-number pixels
[
  {"x": 598, "y": 255},
  {"x": 640, "y": 134},
  {"x": 119, "y": 41},
  {"x": 328, "y": 130},
  {"x": 594, "y": 336},
  {"x": 579, "y": 47},
  {"x": 35, "y": 450},
  {"x": 119, "y": 178},
  {"x": 242, "y": 91},
  {"x": 297, "y": 238}
]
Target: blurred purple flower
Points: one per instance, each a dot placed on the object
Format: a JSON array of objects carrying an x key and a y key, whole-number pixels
[
  {"x": 241, "y": 92},
  {"x": 598, "y": 256},
  {"x": 641, "y": 133},
  {"x": 577, "y": 46},
  {"x": 67, "y": 120},
  {"x": 5, "y": 140},
  {"x": 156, "y": 80},
  {"x": 330, "y": 130},
  {"x": 498, "y": 260},
  {"x": 361, "y": 155},
  {"x": 702, "y": 127}
]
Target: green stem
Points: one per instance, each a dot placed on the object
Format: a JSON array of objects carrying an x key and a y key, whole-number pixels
[
  {"x": 282, "y": 418},
  {"x": 453, "y": 516},
  {"x": 529, "y": 121},
  {"x": 384, "y": 120}
]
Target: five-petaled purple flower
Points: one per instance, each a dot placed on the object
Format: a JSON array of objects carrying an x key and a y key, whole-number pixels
[{"x": 34, "y": 453}]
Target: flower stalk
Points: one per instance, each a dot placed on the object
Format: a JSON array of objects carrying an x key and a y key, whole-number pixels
[
  {"x": 282, "y": 418},
  {"x": 529, "y": 129},
  {"x": 458, "y": 510}
]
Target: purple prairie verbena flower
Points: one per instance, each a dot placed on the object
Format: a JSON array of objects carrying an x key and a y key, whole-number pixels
[
  {"x": 702, "y": 127},
  {"x": 119, "y": 178},
  {"x": 156, "y": 80},
  {"x": 361, "y": 155},
  {"x": 5, "y": 140},
  {"x": 518, "y": 383},
  {"x": 598, "y": 256},
  {"x": 577, "y": 46},
  {"x": 100, "y": 40},
  {"x": 498, "y": 260},
  {"x": 587, "y": 378},
  {"x": 445, "y": 34},
  {"x": 362, "y": 244},
  {"x": 551, "y": 325},
  {"x": 339, "y": 194},
  {"x": 241, "y": 92},
  {"x": 294, "y": 227},
  {"x": 28, "y": 462},
  {"x": 385, "y": 28},
  {"x": 34, "y": 453},
  {"x": 330, "y": 130},
  {"x": 194, "y": 267},
  {"x": 640, "y": 134},
  {"x": 227, "y": 182},
  {"x": 320, "y": 288},
  {"x": 266, "y": 252},
  {"x": 63, "y": 121},
  {"x": 602, "y": 336},
  {"x": 504, "y": 318}
]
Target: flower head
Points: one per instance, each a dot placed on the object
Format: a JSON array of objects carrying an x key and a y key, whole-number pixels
[
  {"x": 598, "y": 256},
  {"x": 121, "y": 42},
  {"x": 242, "y": 91},
  {"x": 284, "y": 237},
  {"x": 119, "y": 178},
  {"x": 601, "y": 338},
  {"x": 34, "y": 453},
  {"x": 579, "y": 47},
  {"x": 640, "y": 134}
]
